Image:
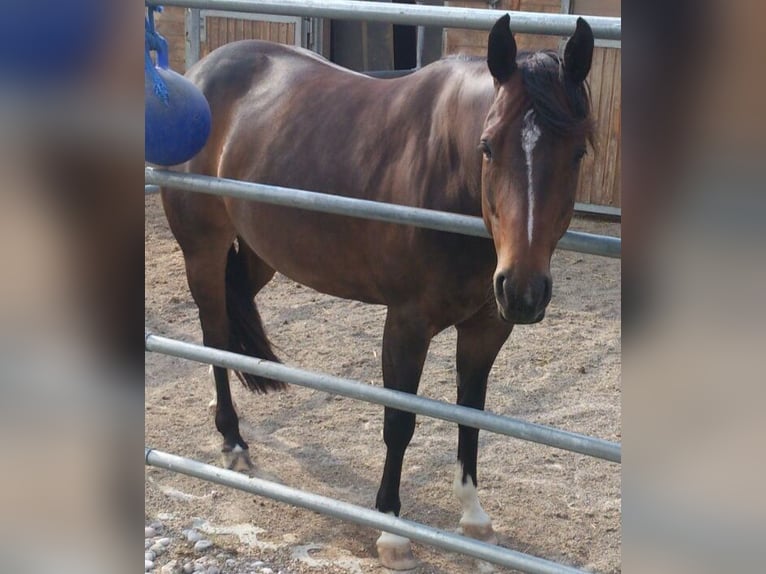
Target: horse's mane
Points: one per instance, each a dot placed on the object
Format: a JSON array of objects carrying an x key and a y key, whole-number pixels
[{"x": 560, "y": 105}]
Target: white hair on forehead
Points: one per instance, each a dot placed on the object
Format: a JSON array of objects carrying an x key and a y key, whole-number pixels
[{"x": 530, "y": 133}]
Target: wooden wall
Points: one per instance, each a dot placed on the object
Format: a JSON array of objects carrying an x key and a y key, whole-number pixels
[
  {"x": 600, "y": 175},
  {"x": 218, "y": 31},
  {"x": 474, "y": 42},
  {"x": 171, "y": 24}
]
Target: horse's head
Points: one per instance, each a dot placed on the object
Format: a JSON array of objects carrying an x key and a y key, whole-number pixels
[{"x": 534, "y": 137}]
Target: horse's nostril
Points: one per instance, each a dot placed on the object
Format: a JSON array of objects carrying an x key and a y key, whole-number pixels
[{"x": 500, "y": 286}]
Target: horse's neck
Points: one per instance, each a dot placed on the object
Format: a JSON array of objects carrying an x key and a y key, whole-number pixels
[{"x": 463, "y": 93}]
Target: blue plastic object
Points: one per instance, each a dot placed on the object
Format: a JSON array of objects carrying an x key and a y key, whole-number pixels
[
  {"x": 51, "y": 44},
  {"x": 176, "y": 114}
]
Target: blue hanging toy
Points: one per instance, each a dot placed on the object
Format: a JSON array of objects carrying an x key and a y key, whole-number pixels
[{"x": 176, "y": 114}]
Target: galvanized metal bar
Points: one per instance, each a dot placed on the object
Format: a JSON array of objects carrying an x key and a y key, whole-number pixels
[
  {"x": 193, "y": 31},
  {"x": 151, "y": 189},
  {"x": 423, "y": 15},
  {"x": 516, "y": 428},
  {"x": 356, "y": 514},
  {"x": 591, "y": 243},
  {"x": 327, "y": 203},
  {"x": 606, "y": 211}
]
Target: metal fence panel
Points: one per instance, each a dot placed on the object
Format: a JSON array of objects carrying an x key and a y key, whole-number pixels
[
  {"x": 449, "y": 17},
  {"x": 327, "y": 203},
  {"x": 357, "y": 514},
  {"x": 423, "y": 15},
  {"x": 475, "y": 418}
]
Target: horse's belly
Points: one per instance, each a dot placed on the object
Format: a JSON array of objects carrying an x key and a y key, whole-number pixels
[
  {"x": 370, "y": 261},
  {"x": 329, "y": 253}
]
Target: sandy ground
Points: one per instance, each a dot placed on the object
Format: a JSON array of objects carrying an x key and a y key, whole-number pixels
[{"x": 563, "y": 372}]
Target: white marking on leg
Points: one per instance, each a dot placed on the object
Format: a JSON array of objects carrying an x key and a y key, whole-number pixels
[
  {"x": 473, "y": 513},
  {"x": 214, "y": 401},
  {"x": 530, "y": 133},
  {"x": 474, "y": 523},
  {"x": 391, "y": 539},
  {"x": 238, "y": 459}
]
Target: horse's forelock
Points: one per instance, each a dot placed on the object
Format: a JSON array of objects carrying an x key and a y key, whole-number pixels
[{"x": 560, "y": 106}]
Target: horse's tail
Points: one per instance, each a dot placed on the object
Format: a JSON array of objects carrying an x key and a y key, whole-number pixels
[{"x": 246, "y": 333}]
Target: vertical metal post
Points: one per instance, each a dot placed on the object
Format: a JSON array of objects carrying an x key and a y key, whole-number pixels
[
  {"x": 430, "y": 39},
  {"x": 317, "y": 36},
  {"x": 192, "y": 34}
]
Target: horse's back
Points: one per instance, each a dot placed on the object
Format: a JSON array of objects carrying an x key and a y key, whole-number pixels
[{"x": 287, "y": 117}]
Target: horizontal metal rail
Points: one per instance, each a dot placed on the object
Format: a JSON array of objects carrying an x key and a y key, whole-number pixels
[
  {"x": 474, "y": 418},
  {"x": 606, "y": 211},
  {"x": 421, "y": 15},
  {"x": 327, "y": 203},
  {"x": 357, "y": 514}
]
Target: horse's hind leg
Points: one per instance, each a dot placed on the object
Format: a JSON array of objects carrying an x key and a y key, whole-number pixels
[
  {"x": 205, "y": 234},
  {"x": 247, "y": 274},
  {"x": 405, "y": 344},
  {"x": 479, "y": 339},
  {"x": 206, "y": 275}
]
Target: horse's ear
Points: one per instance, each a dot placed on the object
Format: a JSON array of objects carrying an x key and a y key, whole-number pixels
[
  {"x": 579, "y": 53},
  {"x": 501, "y": 50}
]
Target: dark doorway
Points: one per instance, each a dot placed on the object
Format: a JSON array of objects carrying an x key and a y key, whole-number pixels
[{"x": 405, "y": 44}]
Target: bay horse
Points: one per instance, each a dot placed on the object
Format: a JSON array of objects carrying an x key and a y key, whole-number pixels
[{"x": 502, "y": 140}]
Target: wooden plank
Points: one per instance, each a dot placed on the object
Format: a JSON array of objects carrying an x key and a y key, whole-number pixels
[
  {"x": 617, "y": 181},
  {"x": 602, "y": 117},
  {"x": 610, "y": 192},
  {"x": 170, "y": 23},
  {"x": 587, "y": 183},
  {"x": 613, "y": 180},
  {"x": 586, "y": 170},
  {"x": 260, "y": 31},
  {"x": 283, "y": 29},
  {"x": 597, "y": 7},
  {"x": 605, "y": 189},
  {"x": 212, "y": 34}
]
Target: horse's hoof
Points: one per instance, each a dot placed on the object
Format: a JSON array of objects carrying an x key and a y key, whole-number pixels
[
  {"x": 395, "y": 552},
  {"x": 237, "y": 459},
  {"x": 482, "y": 532}
]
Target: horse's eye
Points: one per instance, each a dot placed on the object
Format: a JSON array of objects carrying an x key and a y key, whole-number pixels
[
  {"x": 579, "y": 154},
  {"x": 485, "y": 149}
]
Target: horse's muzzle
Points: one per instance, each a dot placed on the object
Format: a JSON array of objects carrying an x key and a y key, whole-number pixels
[{"x": 522, "y": 302}]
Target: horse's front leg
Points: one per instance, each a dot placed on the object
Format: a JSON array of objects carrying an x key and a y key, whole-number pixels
[
  {"x": 405, "y": 344},
  {"x": 479, "y": 339}
]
